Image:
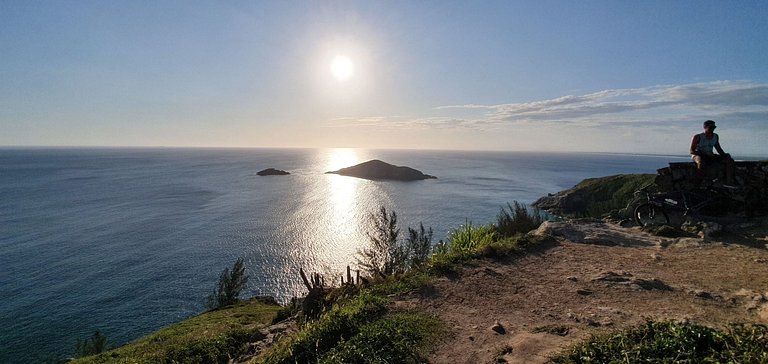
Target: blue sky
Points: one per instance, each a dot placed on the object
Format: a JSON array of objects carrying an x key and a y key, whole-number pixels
[{"x": 602, "y": 76}]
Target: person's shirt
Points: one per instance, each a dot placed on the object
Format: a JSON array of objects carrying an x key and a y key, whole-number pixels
[{"x": 707, "y": 146}]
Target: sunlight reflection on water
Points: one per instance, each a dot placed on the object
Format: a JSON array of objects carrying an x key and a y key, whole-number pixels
[{"x": 330, "y": 223}]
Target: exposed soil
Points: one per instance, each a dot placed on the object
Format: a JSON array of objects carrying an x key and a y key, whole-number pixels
[{"x": 594, "y": 278}]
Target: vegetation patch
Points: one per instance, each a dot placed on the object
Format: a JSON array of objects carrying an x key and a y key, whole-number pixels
[
  {"x": 671, "y": 342},
  {"x": 395, "y": 338},
  {"x": 319, "y": 337},
  {"x": 476, "y": 242},
  {"x": 597, "y": 197},
  {"x": 211, "y": 337},
  {"x": 516, "y": 219}
]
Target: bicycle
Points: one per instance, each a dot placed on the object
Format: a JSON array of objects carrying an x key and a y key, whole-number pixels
[{"x": 689, "y": 202}]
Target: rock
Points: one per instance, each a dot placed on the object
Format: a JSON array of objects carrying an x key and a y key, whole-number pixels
[
  {"x": 613, "y": 277},
  {"x": 572, "y": 278},
  {"x": 272, "y": 172},
  {"x": 560, "y": 229},
  {"x": 584, "y": 292},
  {"x": 763, "y": 313},
  {"x": 707, "y": 230},
  {"x": 605, "y": 322},
  {"x": 743, "y": 292},
  {"x": 686, "y": 243},
  {"x": 625, "y": 278},
  {"x": 626, "y": 223},
  {"x": 498, "y": 328},
  {"x": 703, "y": 294},
  {"x": 378, "y": 170},
  {"x": 592, "y": 322},
  {"x": 594, "y": 232},
  {"x": 650, "y": 284}
]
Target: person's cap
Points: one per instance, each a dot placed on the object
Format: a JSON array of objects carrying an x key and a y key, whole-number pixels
[{"x": 709, "y": 123}]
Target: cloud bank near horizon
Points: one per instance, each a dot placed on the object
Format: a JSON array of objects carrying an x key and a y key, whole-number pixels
[{"x": 744, "y": 102}]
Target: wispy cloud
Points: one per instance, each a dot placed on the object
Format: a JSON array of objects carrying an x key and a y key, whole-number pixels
[
  {"x": 741, "y": 101},
  {"x": 650, "y": 104}
]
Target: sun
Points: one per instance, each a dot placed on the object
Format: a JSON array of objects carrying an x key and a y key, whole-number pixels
[{"x": 342, "y": 67}]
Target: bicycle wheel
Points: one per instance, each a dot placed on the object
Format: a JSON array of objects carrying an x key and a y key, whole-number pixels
[{"x": 649, "y": 214}]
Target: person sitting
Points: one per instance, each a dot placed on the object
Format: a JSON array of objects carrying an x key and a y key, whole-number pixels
[{"x": 703, "y": 155}]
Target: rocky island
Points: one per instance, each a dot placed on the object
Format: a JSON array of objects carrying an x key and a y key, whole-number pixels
[
  {"x": 272, "y": 172},
  {"x": 378, "y": 170}
]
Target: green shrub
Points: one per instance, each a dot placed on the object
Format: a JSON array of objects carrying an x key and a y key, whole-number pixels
[
  {"x": 517, "y": 219},
  {"x": 231, "y": 284},
  {"x": 384, "y": 256},
  {"x": 670, "y": 342},
  {"x": 603, "y": 196},
  {"x": 387, "y": 254},
  {"x": 289, "y": 310},
  {"x": 319, "y": 337},
  {"x": 93, "y": 345},
  {"x": 468, "y": 238},
  {"x": 218, "y": 349},
  {"x": 418, "y": 246},
  {"x": 392, "y": 339}
]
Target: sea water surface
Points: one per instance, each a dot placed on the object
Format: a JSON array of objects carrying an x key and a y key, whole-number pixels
[{"x": 130, "y": 240}]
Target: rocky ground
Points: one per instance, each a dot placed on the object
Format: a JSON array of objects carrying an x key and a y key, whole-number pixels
[{"x": 595, "y": 277}]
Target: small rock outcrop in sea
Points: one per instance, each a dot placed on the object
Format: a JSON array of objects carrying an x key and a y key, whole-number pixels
[
  {"x": 378, "y": 170},
  {"x": 272, "y": 172}
]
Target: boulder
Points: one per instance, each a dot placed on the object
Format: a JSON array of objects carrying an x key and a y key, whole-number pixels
[
  {"x": 272, "y": 172},
  {"x": 378, "y": 170},
  {"x": 498, "y": 328}
]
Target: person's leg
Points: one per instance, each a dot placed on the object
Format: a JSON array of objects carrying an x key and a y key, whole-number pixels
[
  {"x": 730, "y": 170},
  {"x": 699, "y": 161}
]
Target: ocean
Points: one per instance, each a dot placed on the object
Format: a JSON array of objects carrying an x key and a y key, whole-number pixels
[{"x": 130, "y": 240}]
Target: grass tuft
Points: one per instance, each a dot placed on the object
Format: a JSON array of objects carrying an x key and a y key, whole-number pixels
[
  {"x": 396, "y": 338},
  {"x": 468, "y": 238},
  {"x": 319, "y": 337},
  {"x": 516, "y": 219},
  {"x": 671, "y": 342}
]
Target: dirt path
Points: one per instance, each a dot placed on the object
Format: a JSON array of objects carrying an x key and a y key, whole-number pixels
[{"x": 611, "y": 277}]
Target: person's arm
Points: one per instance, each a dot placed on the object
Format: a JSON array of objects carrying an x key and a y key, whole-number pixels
[
  {"x": 694, "y": 144},
  {"x": 720, "y": 149}
]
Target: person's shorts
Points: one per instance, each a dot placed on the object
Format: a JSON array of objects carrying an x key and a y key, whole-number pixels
[{"x": 713, "y": 158}]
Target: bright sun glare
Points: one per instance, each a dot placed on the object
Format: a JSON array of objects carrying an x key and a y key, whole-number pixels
[{"x": 342, "y": 67}]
